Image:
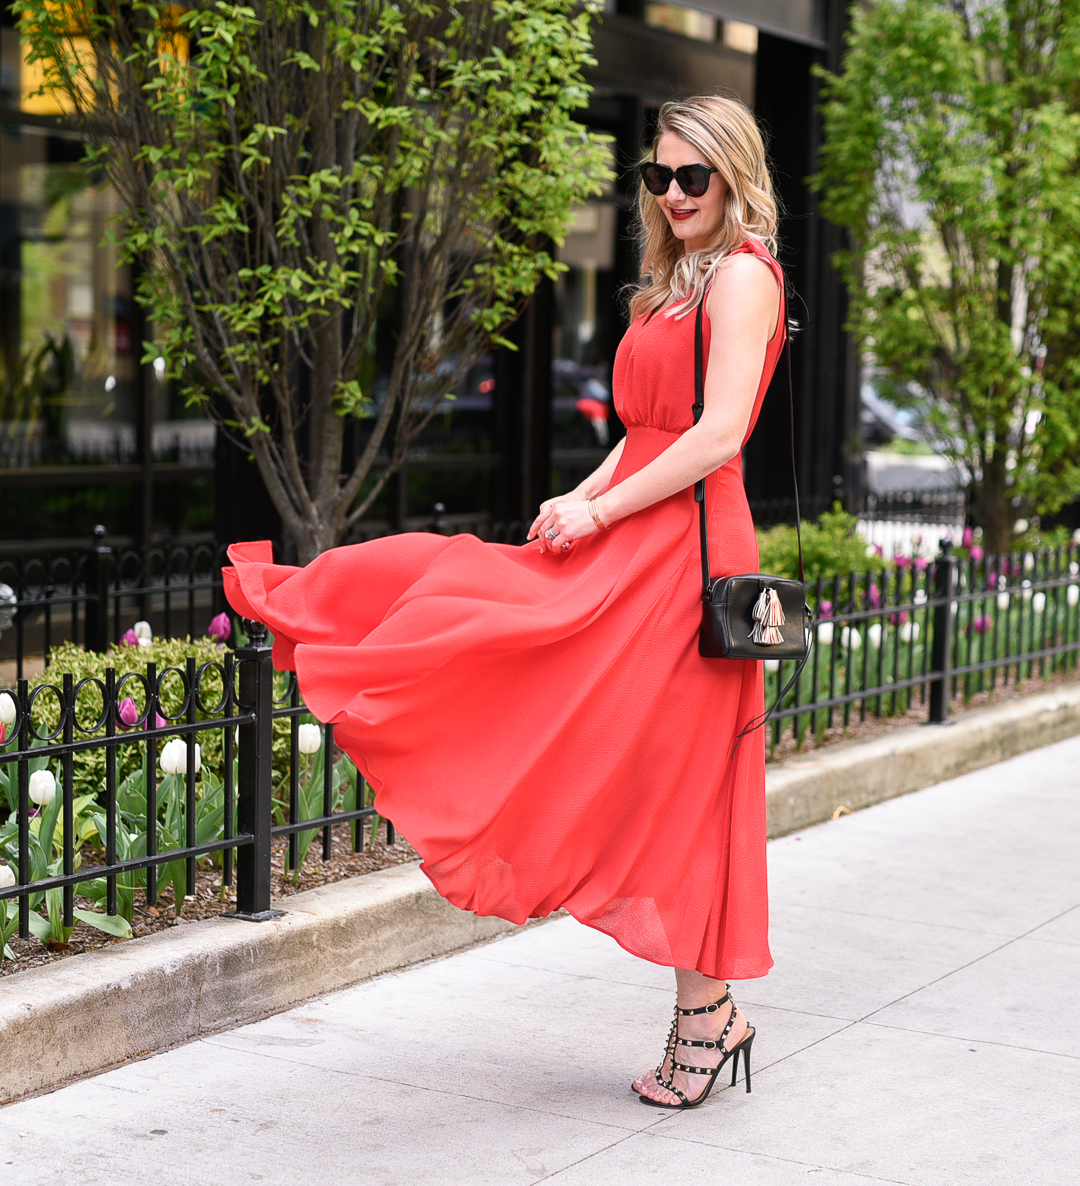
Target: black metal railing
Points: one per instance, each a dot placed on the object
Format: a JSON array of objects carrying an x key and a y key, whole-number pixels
[
  {"x": 92, "y": 596},
  {"x": 177, "y": 819},
  {"x": 924, "y": 634}
]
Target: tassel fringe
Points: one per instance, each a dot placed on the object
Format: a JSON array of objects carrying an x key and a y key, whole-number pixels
[{"x": 769, "y": 617}]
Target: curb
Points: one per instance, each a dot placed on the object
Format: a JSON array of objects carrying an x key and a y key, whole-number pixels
[
  {"x": 114, "y": 1004},
  {"x": 106, "y": 1007},
  {"x": 810, "y": 788}
]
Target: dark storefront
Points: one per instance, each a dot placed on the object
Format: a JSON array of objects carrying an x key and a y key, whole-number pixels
[{"x": 89, "y": 435}]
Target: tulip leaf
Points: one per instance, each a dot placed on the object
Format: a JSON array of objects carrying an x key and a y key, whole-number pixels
[
  {"x": 110, "y": 924},
  {"x": 39, "y": 927}
]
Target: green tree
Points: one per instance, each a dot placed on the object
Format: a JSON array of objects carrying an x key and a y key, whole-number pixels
[
  {"x": 952, "y": 143},
  {"x": 292, "y": 168}
]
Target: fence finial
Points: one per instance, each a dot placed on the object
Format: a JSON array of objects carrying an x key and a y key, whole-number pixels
[{"x": 256, "y": 632}]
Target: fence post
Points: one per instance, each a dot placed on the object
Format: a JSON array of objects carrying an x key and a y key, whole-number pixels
[
  {"x": 254, "y": 777},
  {"x": 941, "y": 655},
  {"x": 97, "y": 586}
]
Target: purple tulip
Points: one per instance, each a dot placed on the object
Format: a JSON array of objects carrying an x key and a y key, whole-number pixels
[
  {"x": 976, "y": 552},
  {"x": 898, "y": 619},
  {"x": 220, "y": 628},
  {"x": 127, "y": 712},
  {"x": 969, "y": 537},
  {"x": 901, "y": 561},
  {"x": 129, "y": 639},
  {"x": 981, "y": 625},
  {"x": 920, "y": 563},
  {"x": 874, "y": 595},
  {"x": 825, "y": 609}
]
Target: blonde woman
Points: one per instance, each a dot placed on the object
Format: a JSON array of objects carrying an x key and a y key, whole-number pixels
[{"x": 537, "y": 721}]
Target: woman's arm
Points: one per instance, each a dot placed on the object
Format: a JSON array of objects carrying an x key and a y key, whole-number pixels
[
  {"x": 743, "y": 306},
  {"x": 594, "y": 484}
]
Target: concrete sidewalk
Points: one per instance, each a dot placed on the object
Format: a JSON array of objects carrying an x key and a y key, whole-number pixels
[{"x": 922, "y": 1026}]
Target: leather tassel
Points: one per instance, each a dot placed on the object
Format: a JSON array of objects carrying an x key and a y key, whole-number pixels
[{"x": 768, "y": 615}]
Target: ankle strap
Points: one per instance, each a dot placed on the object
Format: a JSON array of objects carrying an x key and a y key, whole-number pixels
[{"x": 713, "y": 1008}]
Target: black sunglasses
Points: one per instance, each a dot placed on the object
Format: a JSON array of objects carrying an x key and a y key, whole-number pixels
[{"x": 693, "y": 179}]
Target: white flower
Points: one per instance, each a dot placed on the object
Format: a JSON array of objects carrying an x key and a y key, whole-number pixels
[
  {"x": 1076, "y": 536},
  {"x": 920, "y": 597},
  {"x": 1020, "y": 526},
  {"x": 1025, "y": 587},
  {"x": 7, "y": 707},
  {"x": 7, "y": 877},
  {"x": 850, "y": 637},
  {"x": 142, "y": 630},
  {"x": 1072, "y": 595},
  {"x": 1029, "y": 561},
  {"x": 770, "y": 665},
  {"x": 309, "y": 739},
  {"x": 1038, "y": 602},
  {"x": 42, "y": 788},
  {"x": 173, "y": 758},
  {"x": 954, "y": 608},
  {"x": 1074, "y": 568},
  {"x": 873, "y": 634},
  {"x": 1003, "y": 601},
  {"x": 825, "y": 634},
  {"x": 909, "y": 632}
]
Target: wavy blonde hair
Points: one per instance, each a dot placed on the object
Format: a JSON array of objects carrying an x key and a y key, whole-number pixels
[{"x": 724, "y": 131}]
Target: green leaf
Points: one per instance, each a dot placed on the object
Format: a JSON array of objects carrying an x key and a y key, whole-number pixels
[{"x": 110, "y": 924}]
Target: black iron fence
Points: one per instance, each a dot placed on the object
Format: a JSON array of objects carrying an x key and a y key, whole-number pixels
[
  {"x": 929, "y": 633},
  {"x": 202, "y": 786}
]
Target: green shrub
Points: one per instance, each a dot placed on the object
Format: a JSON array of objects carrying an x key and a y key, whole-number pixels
[{"x": 831, "y": 547}]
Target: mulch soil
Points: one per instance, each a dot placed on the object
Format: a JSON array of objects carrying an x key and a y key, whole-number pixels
[{"x": 208, "y": 900}]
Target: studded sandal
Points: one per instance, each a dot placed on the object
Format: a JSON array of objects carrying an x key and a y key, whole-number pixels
[{"x": 675, "y": 1040}]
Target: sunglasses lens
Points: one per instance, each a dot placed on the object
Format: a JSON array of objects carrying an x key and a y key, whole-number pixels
[
  {"x": 693, "y": 180},
  {"x": 657, "y": 178}
]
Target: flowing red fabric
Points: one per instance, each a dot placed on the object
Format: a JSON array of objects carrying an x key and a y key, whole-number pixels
[{"x": 540, "y": 726}]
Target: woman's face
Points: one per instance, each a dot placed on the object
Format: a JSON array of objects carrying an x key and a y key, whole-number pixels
[{"x": 696, "y": 221}]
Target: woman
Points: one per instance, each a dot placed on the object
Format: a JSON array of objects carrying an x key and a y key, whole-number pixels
[{"x": 537, "y": 721}]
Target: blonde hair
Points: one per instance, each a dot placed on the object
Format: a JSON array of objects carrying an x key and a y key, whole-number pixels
[{"x": 723, "y": 130}]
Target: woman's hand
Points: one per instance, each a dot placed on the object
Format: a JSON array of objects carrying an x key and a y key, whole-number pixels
[{"x": 562, "y": 521}]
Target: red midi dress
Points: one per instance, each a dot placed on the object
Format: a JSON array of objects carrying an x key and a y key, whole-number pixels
[{"x": 540, "y": 726}]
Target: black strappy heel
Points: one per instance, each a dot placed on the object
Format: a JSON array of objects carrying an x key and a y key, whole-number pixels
[{"x": 674, "y": 1040}]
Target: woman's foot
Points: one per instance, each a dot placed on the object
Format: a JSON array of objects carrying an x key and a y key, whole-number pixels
[{"x": 704, "y": 1026}]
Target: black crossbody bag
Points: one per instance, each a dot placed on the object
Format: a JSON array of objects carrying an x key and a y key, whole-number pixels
[{"x": 751, "y": 616}]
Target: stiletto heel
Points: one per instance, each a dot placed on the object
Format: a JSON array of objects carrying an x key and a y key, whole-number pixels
[{"x": 674, "y": 1041}]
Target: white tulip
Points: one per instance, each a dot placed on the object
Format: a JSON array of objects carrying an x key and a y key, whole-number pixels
[
  {"x": 873, "y": 634},
  {"x": 770, "y": 665},
  {"x": 1076, "y": 536},
  {"x": 1003, "y": 601},
  {"x": 954, "y": 608},
  {"x": 7, "y": 877},
  {"x": 309, "y": 739},
  {"x": 909, "y": 632},
  {"x": 1020, "y": 526},
  {"x": 1038, "y": 602},
  {"x": 1074, "y": 568},
  {"x": 1029, "y": 561},
  {"x": 920, "y": 597},
  {"x": 142, "y": 630},
  {"x": 42, "y": 788},
  {"x": 7, "y": 708},
  {"x": 1025, "y": 590},
  {"x": 849, "y": 637},
  {"x": 1072, "y": 595},
  {"x": 173, "y": 759},
  {"x": 825, "y": 634}
]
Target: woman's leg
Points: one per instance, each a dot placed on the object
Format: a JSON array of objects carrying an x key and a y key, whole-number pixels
[{"x": 694, "y": 992}]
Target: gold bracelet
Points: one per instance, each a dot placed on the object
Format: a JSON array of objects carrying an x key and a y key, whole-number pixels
[{"x": 596, "y": 516}]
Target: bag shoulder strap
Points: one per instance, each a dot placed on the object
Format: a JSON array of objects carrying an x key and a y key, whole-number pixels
[{"x": 699, "y": 407}]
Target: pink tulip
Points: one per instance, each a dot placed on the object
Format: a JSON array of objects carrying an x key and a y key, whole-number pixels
[
  {"x": 127, "y": 712},
  {"x": 220, "y": 628},
  {"x": 920, "y": 563},
  {"x": 898, "y": 619},
  {"x": 976, "y": 552},
  {"x": 825, "y": 609},
  {"x": 901, "y": 561},
  {"x": 981, "y": 625},
  {"x": 874, "y": 595},
  {"x": 129, "y": 639}
]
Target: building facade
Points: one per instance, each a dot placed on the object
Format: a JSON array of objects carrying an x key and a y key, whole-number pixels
[{"x": 89, "y": 433}]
